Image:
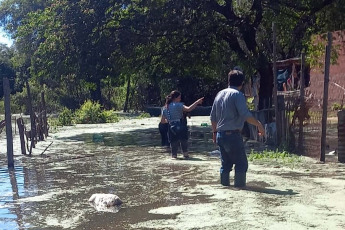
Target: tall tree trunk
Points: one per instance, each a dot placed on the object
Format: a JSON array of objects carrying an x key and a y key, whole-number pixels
[
  {"x": 266, "y": 86},
  {"x": 125, "y": 107}
]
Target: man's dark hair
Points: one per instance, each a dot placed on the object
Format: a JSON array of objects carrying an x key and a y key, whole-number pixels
[{"x": 235, "y": 78}]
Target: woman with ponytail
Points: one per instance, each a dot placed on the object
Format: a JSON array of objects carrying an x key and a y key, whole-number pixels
[{"x": 178, "y": 131}]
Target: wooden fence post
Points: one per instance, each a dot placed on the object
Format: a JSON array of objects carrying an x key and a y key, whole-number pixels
[
  {"x": 44, "y": 111},
  {"x": 325, "y": 96},
  {"x": 275, "y": 88},
  {"x": 20, "y": 124},
  {"x": 9, "y": 137},
  {"x": 302, "y": 106}
]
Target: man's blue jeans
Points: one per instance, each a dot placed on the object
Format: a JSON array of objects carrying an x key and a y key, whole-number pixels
[{"x": 232, "y": 151}]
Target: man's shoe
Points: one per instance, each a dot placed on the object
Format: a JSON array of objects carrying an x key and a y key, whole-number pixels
[
  {"x": 240, "y": 179},
  {"x": 225, "y": 179}
]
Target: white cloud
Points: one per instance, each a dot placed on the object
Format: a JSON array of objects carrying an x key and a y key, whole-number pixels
[{"x": 4, "y": 39}]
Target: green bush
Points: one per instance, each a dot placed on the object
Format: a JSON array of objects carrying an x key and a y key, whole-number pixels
[
  {"x": 336, "y": 107},
  {"x": 89, "y": 113},
  {"x": 110, "y": 116},
  {"x": 53, "y": 124},
  {"x": 281, "y": 157},
  {"x": 15, "y": 108},
  {"x": 2, "y": 107},
  {"x": 66, "y": 117},
  {"x": 250, "y": 103}
]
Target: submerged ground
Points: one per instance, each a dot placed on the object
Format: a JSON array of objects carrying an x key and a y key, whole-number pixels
[{"x": 51, "y": 190}]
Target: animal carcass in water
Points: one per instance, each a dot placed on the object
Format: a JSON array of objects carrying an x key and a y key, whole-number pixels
[{"x": 105, "y": 202}]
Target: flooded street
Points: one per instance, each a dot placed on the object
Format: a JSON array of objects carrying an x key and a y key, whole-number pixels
[{"x": 51, "y": 190}]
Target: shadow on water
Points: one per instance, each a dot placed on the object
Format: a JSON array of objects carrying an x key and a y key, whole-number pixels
[
  {"x": 53, "y": 192},
  {"x": 134, "y": 137},
  {"x": 260, "y": 186},
  {"x": 199, "y": 139}
]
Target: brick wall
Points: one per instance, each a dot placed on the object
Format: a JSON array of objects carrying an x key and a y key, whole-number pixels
[{"x": 337, "y": 74}]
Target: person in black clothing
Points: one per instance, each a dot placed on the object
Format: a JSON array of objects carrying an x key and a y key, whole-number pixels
[{"x": 163, "y": 130}]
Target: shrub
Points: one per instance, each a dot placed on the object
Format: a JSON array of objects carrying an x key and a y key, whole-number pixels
[
  {"x": 281, "y": 157},
  {"x": 53, "y": 124},
  {"x": 66, "y": 117},
  {"x": 250, "y": 103},
  {"x": 90, "y": 113},
  {"x": 336, "y": 107},
  {"x": 109, "y": 116}
]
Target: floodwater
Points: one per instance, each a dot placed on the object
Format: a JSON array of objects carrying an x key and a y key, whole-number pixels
[{"x": 51, "y": 190}]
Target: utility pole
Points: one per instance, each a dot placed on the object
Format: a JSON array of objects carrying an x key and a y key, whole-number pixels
[
  {"x": 302, "y": 106},
  {"x": 325, "y": 96}
]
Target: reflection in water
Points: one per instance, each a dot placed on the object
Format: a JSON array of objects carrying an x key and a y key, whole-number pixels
[
  {"x": 11, "y": 187},
  {"x": 52, "y": 192}
]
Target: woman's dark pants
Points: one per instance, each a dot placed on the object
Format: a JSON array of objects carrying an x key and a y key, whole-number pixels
[
  {"x": 163, "y": 129},
  {"x": 179, "y": 139}
]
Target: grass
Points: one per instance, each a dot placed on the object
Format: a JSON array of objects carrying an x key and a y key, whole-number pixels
[
  {"x": 144, "y": 115},
  {"x": 281, "y": 157}
]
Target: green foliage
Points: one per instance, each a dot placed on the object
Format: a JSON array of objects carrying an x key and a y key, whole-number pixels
[
  {"x": 281, "y": 157},
  {"x": 19, "y": 100},
  {"x": 92, "y": 113},
  {"x": 66, "y": 117},
  {"x": 53, "y": 124},
  {"x": 110, "y": 116},
  {"x": 316, "y": 51},
  {"x": 144, "y": 115},
  {"x": 116, "y": 96},
  {"x": 337, "y": 106},
  {"x": 89, "y": 49},
  {"x": 89, "y": 113},
  {"x": 2, "y": 107},
  {"x": 250, "y": 103},
  {"x": 15, "y": 108},
  {"x": 6, "y": 68}
]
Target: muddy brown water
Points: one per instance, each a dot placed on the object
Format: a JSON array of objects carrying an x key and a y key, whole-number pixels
[{"x": 51, "y": 191}]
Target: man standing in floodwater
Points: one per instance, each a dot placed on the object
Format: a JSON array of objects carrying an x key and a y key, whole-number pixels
[{"x": 228, "y": 114}]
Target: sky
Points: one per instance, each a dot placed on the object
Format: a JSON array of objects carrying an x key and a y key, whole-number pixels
[{"x": 4, "y": 39}]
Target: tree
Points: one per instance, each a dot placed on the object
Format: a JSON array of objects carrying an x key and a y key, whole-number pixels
[
  {"x": 6, "y": 68},
  {"x": 180, "y": 36},
  {"x": 148, "y": 42}
]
